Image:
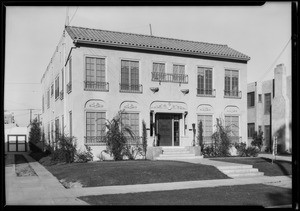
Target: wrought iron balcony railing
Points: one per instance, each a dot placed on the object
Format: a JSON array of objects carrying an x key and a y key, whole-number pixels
[
  {"x": 206, "y": 92},
  {"x": 94, "y": 140},
  {"x": 96, "y": 86},
  {"x": 69, "y": 87},
  {"x": 133, "y": 88},
  {"x": 168, "y": 77},
  {"x": 232, "y": 94},
  {"x": 61, "y": 94}
]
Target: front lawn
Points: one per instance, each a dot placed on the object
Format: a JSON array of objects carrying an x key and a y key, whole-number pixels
[
  {"x": 108, "y": 173},
  {"x": 278, "y": 168},
  {"x": 252, "y": 195}
]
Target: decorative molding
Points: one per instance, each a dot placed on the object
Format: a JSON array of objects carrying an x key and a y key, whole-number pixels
[
  {"x": 154, "y": 89},
  {"x": 205, "y": 108},
  {"x": 129, "y": 105},
  {"x": 95, "y": 104},
  {"x": 160, "y": 105},
  {"x": 232, "y": 110},
  {"x": 185, "y": 91}
]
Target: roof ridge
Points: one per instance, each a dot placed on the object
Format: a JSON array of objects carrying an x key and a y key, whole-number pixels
[{"x": 149, "y": 36}]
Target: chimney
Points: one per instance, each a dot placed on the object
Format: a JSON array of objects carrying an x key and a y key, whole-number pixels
[{"x": 280, "y": 80}]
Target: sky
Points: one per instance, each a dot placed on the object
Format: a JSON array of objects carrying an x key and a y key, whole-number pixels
[{"x": 32, "y": 33}]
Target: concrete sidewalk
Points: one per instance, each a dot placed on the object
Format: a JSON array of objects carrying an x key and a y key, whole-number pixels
[
  {"x": 43, "y": 189},
  {"x": 282, "y": 181}
]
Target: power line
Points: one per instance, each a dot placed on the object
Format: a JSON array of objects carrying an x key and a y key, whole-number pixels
[
  {"x": 275, "y": 60},
  {"x": 73, "y": 16}
]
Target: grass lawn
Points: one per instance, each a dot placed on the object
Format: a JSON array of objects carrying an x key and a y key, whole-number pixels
[
  {"x": 252, "y": 195},
  {"x": 278, "y": 168},
  {"x": 108, "y": 173}
]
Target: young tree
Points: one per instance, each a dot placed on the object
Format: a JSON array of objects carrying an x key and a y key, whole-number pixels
[
  {"x": 200, "y": 134},
  {"x": 144, "y": 139},
  {"x": 35, "y": 132}
]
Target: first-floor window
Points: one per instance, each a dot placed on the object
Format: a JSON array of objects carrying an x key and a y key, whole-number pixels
[
  {"x": 70, "y": 119},
  {"x": 131, "y": 120},
  {"x": 48, "y": 129},
  {"x": 207, "y": 127},
  {"x": 52, "y": 132},
  {"x": 251, "y": 130},
  {"x": 95, "y": 127},
  {"x": 232, "y": 125}
]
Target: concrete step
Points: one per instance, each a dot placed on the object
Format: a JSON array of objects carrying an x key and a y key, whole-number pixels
[
  {"x": 173, "y": 152},
  {"x": 254, "y": 174},
  {"x": 177, "y": 155},
  {"x": 179, "y": 158},
  {"x": 239, "y": 171},
  {"x": 234, "y": 167}
]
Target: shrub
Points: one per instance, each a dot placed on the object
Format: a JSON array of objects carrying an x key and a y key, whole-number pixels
[
  {"x": 84, "y": 156},
  {"x": 221, "y": 140},
  {"x": 35, "y": 132},
  {"x": 64, "y": 150},
  {"x": 208, "y": 151},
  {"x": 131, "y": 151},
  {"x": 200, "y": 135},
  {"x": 257, "y": 139},
  {"x": 244, "y": 151},
  {"x": 115, "y": 137},
  {"x": 144, "y": 139}
]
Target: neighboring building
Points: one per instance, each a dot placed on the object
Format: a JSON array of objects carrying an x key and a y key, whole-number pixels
[
  {"x": 16, "y": 138},
  {"x": 171, "y": 84},
  {"x": 269, "y": 110},
  {"x": 9, "y": 118}
]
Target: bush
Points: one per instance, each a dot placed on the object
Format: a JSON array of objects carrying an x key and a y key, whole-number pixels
[
  {"x": 35, "y": 132},
  {"x": 65, "y": 150},
  {"x": 244, "y": 151},
  {"x": 257, "y": 139},
  {"x": 84, "y": 156},
  {"x": 116, "y": 139},
  {"x": 221, "y": 141},
  {"x": 208, "y": 151},
  {"x": 144, "y": 139},
  {"x": 34, "y": 148},
  {"x": 131, "y": 151},
  {"x": 200, "y": 135}
]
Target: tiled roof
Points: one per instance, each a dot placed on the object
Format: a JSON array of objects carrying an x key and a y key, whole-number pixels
[{"x": 139, "y": 41}]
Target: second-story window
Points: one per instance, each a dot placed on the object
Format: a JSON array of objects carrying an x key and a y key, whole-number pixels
[
  {"x": 62, "y": 84},
  {"x": 158, "y": 73},
  {"x": 178, "y": 73},
  {"x": 130, "y": 76},
  {"x": 95, "y": 74},
  {"x": 204, "y": 81},
  {"x": 232, "y": 83},
  {"x": 52, "y": 90},
  {"x": 48, "y": 98},
  {"x": 56, "y": 87},
  {"x": 250, "y": 99}
]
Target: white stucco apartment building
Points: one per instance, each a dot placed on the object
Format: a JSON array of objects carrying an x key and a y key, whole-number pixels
[
  {"x": 170, "y": 84},
  {"x": 270, "y": 110}
]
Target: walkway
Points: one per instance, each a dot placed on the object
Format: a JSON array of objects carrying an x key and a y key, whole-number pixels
[{"x": 45, "y": 189}]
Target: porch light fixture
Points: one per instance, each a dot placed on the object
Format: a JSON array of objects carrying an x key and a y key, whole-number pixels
[
  {"x": 154, "y": 89},
  {"x": 185, "y": 91}
]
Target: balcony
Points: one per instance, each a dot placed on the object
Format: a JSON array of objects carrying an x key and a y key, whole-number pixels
[
  {"x": 232, "y": 94},
  {"x": 61, "y": 94},
  {"x": 94, "y": 140},
  {"x": 167, "y": 77},
  {"x": 69, "y": 87},
  {"x": 96, "y": 86},
  {"x": 206, "y": 93},
  {"x": 135, "y": 88}
]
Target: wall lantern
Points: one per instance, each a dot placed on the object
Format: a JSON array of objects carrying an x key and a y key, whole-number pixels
[
  {"x": 154, "y": 89},
  {"x": 185, "y": 91}
]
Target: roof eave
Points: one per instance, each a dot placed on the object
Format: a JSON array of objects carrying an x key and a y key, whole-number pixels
[{"x": 159, "y": 50}]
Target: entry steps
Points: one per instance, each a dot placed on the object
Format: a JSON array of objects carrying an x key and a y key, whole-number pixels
[
  {"x": 240, "y": 171},
  {"x": 176, "y": 153}
]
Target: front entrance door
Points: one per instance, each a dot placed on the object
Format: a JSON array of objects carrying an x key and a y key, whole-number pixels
[
  {"x": 168, "y": 129},
  {"x": 164, "y": 130}
]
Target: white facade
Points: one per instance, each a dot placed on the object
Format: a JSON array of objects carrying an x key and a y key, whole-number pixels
[{"x": 155, "y": 98}]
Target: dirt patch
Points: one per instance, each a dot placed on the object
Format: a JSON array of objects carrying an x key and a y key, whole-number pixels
[
  {"x": 69, "y": 185},
  {"x": 22, "y": 167}
]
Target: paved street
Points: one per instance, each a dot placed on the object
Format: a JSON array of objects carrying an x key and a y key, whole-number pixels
[{"x": 45, "y": 189}]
